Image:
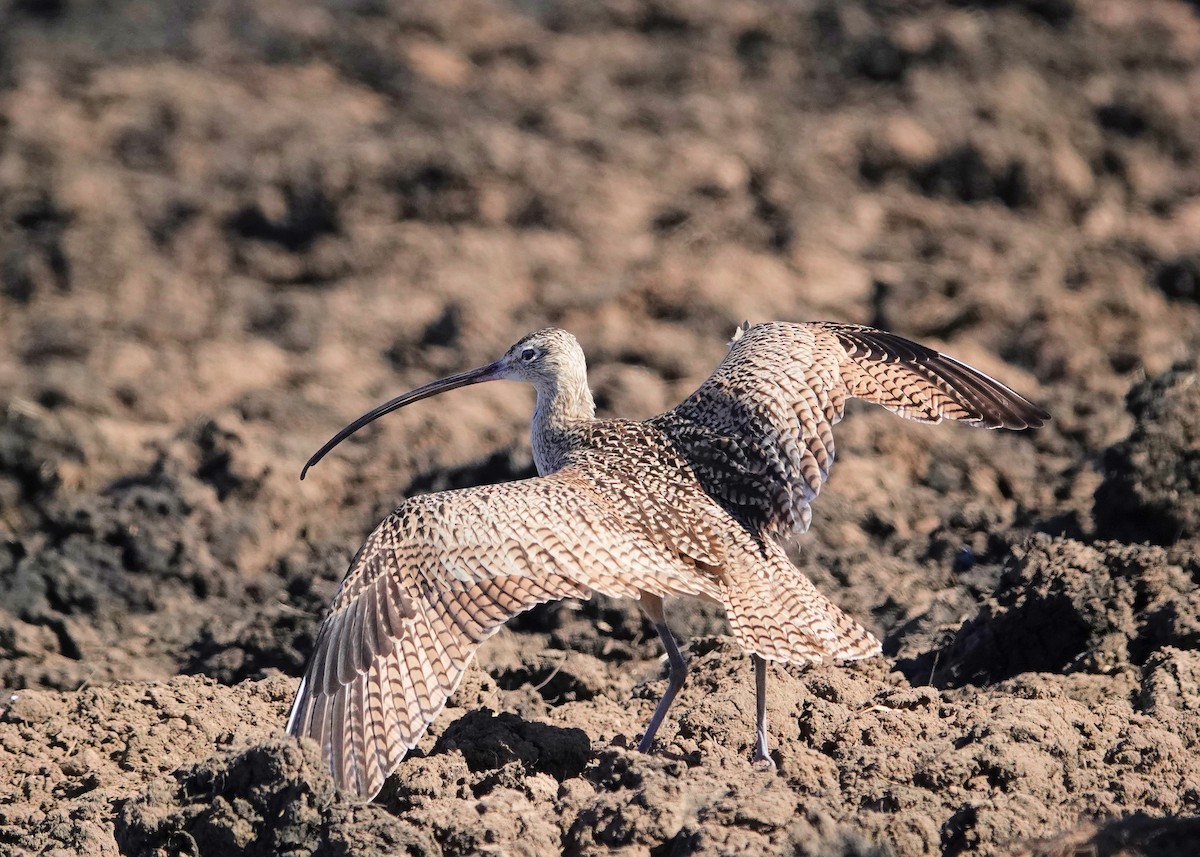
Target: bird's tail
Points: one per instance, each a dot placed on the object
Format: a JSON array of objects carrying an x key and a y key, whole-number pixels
[{"x": 779, "y": 615}]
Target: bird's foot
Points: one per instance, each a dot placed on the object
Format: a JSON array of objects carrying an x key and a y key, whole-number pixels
[{"x": 763, "y": 762}]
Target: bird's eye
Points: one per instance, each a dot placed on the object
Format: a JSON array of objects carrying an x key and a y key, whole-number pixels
[{"x": 528, "y": 354}]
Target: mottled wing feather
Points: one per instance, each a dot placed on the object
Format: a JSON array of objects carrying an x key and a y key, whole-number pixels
[
  {"x": 775, "y": 611},
  {"x": 758, "y": 433},
  {"x": 922, "y": 384},
  {"x": 645, "y": 481},
  {"x": 435, "y": 579}
]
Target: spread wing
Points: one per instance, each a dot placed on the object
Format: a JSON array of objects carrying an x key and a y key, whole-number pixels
[
  {"x": 921, "y": 384},
  {"x": 437, "y": 577},
  {"x": 758, "y": 432}
]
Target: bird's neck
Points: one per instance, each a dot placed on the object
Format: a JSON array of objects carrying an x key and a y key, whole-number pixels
[{"x": 561, "y": 407}]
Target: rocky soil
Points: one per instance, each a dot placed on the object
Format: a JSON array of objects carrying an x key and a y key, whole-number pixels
[{"x": 226, "y": 229}]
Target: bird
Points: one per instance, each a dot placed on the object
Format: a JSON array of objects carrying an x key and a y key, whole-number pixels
[{"x": 698, "y": 501}]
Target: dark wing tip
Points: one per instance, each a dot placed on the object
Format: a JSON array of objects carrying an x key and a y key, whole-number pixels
[
  {"x": 991, "y": 403},
  {"x": 1001, "y": 406},
  {"x": 1029, "y": 416},
  {"x": 998, "y": 405}
]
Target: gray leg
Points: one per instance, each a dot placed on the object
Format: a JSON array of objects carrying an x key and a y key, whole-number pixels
[
  {"x": 760, "y": 726},
  {"x": 676, "y": 674}
]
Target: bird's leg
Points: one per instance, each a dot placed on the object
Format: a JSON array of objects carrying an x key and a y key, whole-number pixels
[
  {"x": 760, "y": 726},
  {"x": 676, "y": 674}
]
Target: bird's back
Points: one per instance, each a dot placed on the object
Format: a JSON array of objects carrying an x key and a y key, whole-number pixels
[
  {"x": 705, "y": 547},
  {"x": 637, "y": 470}
]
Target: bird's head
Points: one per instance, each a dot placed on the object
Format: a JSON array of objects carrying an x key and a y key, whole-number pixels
[{"x": 543, "y": 359}]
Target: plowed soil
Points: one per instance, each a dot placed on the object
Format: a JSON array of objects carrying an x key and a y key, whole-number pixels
[{"x": 226, "y": 229}]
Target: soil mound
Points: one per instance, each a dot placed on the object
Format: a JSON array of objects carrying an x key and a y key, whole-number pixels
[{"x": 1151, "y": 490}]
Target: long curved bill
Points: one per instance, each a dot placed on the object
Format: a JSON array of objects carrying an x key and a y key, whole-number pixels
[{"x": 490, "y": 372}]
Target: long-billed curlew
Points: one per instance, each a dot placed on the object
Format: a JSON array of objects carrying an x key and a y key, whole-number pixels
[{"x": 695, "y": 501}]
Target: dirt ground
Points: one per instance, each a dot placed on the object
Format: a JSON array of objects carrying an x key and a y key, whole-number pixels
[{"x": 227, "y": 228}]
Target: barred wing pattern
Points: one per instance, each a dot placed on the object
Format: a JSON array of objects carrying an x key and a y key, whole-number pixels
[
  {"x": 435, "y": 579},
  {"x": 776, "y": 612},
  {"x": 758, "y": 432},
  {"x": 921, "y": 384}
]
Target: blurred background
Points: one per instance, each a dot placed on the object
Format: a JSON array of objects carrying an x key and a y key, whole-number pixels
[{"x": 228, "y": 228}]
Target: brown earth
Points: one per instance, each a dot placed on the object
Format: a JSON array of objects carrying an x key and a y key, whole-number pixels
[{"x": 225, "y": 229}]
